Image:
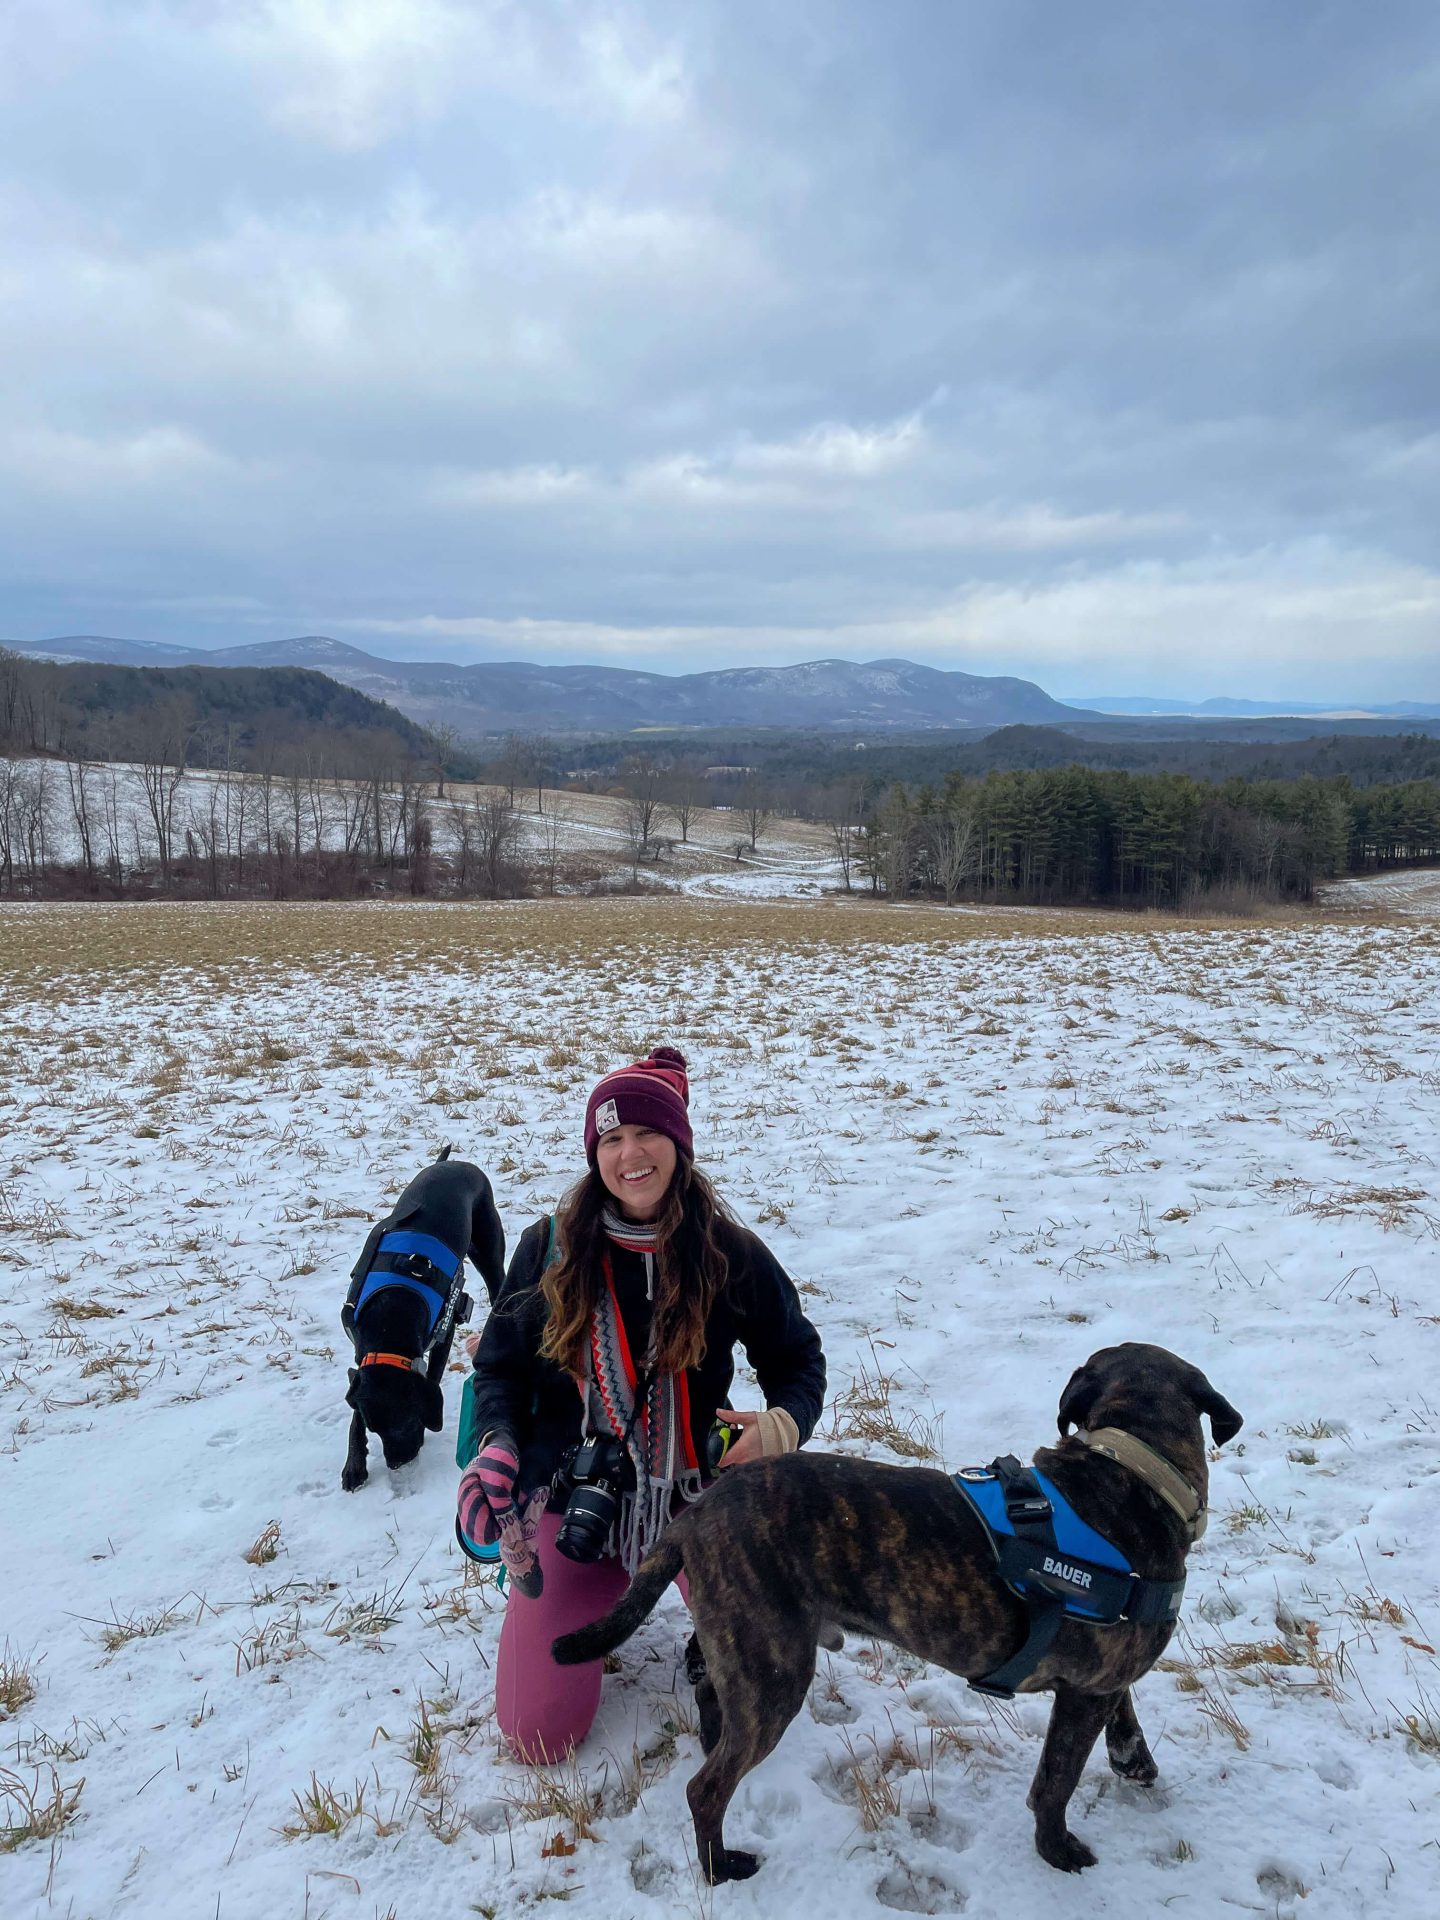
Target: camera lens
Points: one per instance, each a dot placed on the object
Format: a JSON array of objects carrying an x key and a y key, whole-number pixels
[{"x": 589, "y": 1517}]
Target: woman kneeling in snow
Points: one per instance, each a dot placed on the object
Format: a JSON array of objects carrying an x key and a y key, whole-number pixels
[{"x": 615, "y": 1333}]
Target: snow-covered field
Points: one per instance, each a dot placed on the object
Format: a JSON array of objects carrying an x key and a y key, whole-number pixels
[
  {"x": 985, "y": 1146},
  {"x": 1413, "y": 890}
]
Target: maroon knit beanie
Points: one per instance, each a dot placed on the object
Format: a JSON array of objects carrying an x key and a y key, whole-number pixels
[{"x": 652, "y": 1093}]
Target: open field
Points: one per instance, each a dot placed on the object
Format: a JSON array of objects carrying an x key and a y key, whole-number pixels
[{"x": 986, "y": 1144}]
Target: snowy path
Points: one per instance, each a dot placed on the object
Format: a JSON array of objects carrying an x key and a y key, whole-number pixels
[{"x": 985, "y": 1153}]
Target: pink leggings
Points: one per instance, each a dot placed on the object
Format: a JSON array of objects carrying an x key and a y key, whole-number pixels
[{"x": 542, "y": 1709}]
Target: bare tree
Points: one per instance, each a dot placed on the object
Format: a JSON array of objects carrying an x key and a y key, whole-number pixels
[
  {"x": 756, "y": 806},
  {"x": 109, "y": 784},
  {"x": 552, "y": 834},
  {"x": 841, "y": 811},
  {"x": 164, "y": 749},
  {"x": 643, "y": 781},
  {"x": 953, "y": 842},
  {"x": 540, "y": 755},
  {"x": 684, "y": 791},
  {"x": 82, "y": 811},
  {"x": 636, "y": 819},
  {"x": 442, "y": 740},
  {"x": 497, "y": 835},
  {"x": 512, "y": 765}
]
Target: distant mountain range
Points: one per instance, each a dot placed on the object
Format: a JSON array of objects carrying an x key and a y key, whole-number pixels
[
  {"x": 1142, "y": 706},
  {"x": 499, "y": 697},
  {"x": 512, "y": 696}
]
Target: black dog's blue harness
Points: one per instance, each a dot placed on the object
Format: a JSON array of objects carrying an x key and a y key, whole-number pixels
[
  {"x": 420, "y": 1264},
  {"x": 1056, "y": 1563}
]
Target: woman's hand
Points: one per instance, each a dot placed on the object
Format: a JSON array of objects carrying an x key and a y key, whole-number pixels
[
  {"x": 763, "y": 1435},
  {"x": 487, "y": 1511},
  {"x": 486, "y": 1497}
]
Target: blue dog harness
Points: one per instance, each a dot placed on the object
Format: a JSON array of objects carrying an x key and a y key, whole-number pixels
[
  {"x": 419, "y": 1264},
  {"x": 1056, "y": 1563}
]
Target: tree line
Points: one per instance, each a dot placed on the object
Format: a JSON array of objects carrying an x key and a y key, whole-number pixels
[
  {"x": 1075, "y": 834},
  {"x": 197, "y": 784}
]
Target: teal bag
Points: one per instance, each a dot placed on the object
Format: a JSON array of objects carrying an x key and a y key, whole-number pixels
[{"x": 467, "y": 1440}]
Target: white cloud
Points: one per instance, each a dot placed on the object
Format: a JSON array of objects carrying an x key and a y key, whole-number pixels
[
  {"x": 50, "y": 461},
  {"x": 352, "y": 74},
  {"x": 838, "y": 451},
  {"x": 1038, "y": 528},
  {"x": 1334, "y": 625},
  {"x": 1317, "y": 616},
  {"x": 520, "y": 487}
]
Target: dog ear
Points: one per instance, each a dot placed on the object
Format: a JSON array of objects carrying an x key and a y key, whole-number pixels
[
  {"x": 1225, "y": 1422},
  {"x": 350, "y": 1399},
  {"x": 1077, "y": 1399},
  {"x": 432, "y": 1405}
]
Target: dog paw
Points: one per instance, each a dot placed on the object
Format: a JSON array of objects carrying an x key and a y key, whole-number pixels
[
  {"x": 353, "y": 1477},
  {"x": 226, "y": 1437},
  {"x": 912, "y": 1890},
  {"x": 1064, "y": 1851},
  {"x": 729, "y": 1863},
  {"x": 1133, "y": 1761}
]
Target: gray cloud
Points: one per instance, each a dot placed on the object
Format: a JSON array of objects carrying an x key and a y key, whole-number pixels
[{"x": 1092, "y": 344}]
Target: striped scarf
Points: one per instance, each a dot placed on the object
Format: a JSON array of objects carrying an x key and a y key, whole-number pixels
[{"x": 661, "y": 1446}]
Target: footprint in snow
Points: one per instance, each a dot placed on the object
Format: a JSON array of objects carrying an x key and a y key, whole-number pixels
[
  {"x": 216, "y": 1503},
  {"x": 226, "y": 1437},
  {"x": 771, "y": 1809},
  {"x": 912, "y": 1890},
  {"x": 652, "y": 1873},
  {"x": 930, "y": 1822},
  {"x": 315, "y": 1488}
]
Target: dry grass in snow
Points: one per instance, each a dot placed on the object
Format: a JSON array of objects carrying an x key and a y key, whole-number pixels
[{"x": 985, "y": 1145}]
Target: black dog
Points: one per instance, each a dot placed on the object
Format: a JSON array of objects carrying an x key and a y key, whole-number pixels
[
  {"x": 404, "y": 1304},
  {"x": 779, "y": 1548}
]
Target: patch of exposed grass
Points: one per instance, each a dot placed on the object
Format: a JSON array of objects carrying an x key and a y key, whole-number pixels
[
  {"x": 37, "y": 1808},
  {"x": 18, "y": 1685},
  {"x": 865, "y": 1412},
  {"x": 265, "y": 1546}
]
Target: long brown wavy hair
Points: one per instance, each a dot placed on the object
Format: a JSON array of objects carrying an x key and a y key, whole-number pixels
[{"x": 694, "y": 1233}]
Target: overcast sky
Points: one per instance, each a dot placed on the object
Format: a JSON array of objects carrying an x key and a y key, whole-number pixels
[{"x": 1091, "y": 343}]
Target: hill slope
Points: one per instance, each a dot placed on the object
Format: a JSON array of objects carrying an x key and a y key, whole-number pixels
[{"x": 517, "y": 696}]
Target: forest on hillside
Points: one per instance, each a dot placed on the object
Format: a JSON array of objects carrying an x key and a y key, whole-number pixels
[{"x": 279, "y": 781}]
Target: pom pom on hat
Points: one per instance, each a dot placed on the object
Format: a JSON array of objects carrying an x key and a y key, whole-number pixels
[{"x": 654, "y": 1092}]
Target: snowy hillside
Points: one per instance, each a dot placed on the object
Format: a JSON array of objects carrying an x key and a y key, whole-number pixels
[{"x": 985, "y": 1147}]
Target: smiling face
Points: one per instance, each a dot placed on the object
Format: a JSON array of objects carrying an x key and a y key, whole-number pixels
[{"x": 636, "y": 1165}]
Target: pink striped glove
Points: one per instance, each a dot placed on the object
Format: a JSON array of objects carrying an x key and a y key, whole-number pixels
[
  {"x": 487, "y": 1490},
  {"x": 486, "y": 1511}
]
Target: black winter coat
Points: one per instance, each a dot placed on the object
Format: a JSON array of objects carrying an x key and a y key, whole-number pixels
[{"x": 519, "y": 1393}]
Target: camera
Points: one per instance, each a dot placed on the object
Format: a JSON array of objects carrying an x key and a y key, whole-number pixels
[
  {"x": 718, "y": 1442},
  {"x": 589, "y": 1483}
]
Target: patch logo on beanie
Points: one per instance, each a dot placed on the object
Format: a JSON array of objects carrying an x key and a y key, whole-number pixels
[{"x": 606, "y": 1117}]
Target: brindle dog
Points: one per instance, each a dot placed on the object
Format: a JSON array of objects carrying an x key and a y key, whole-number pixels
[{"x": 778, "y": 1549}]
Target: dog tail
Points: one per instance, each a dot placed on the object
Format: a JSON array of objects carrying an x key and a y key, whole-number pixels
[{"x": 657, "y": 1570}]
